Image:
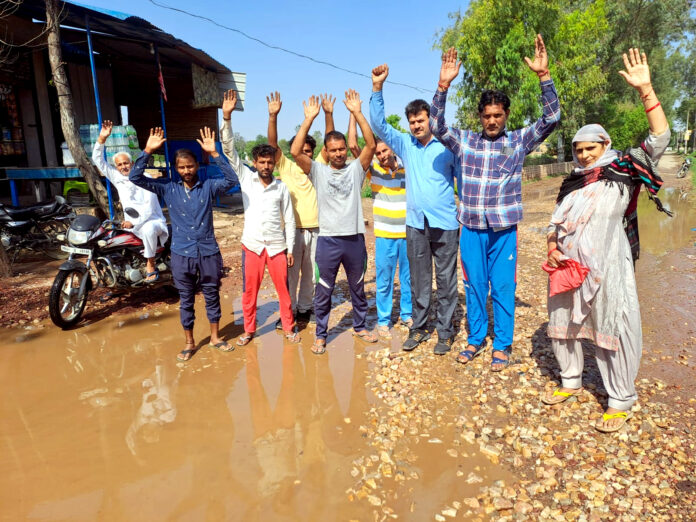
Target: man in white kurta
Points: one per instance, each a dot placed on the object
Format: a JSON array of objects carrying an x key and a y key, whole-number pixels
[{"x": 150, "y": 225}]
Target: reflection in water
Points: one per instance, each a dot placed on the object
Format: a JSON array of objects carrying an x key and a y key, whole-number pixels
[
  {"x": 157, "y": 407},
  {"x": 304, "y": 442},
  {"x": 660, "y": 233},
  {"x": 101, "y": 423}
]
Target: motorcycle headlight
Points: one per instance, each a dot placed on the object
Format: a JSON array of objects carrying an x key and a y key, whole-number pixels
[{"x": 78, "y": 237}]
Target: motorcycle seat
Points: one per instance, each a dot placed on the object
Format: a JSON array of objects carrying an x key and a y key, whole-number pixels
[{"x": 39, "y": 210}]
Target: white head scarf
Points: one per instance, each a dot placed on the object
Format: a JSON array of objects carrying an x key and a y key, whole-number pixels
[{"x": 596, "y": 133}]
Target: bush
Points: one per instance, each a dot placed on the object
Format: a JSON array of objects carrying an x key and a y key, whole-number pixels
[{"x": 540, "y": 159}]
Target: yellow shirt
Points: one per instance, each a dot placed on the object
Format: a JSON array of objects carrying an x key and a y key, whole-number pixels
[{"x": 302, "y": 193}]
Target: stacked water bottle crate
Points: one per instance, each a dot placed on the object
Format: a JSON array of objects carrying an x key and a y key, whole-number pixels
[{"x": 123, "y": 138}]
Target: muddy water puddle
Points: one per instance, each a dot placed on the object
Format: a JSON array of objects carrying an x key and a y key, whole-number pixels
[
  {"x": 659, "y": 233},
  {"x": 666, "y": 278},
  {"x": 102, "y": 423}
]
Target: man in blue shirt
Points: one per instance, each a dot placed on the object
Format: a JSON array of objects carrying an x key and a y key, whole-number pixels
[
  {"x": 196, "y": 258},
  {"x": 431, "y": 225}
]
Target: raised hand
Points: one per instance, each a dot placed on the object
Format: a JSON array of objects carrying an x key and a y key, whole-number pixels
[
  {"x": 274, "y": 103},
  {"x": 449, "y": 69},
  {"x": 155, "y": 141},
  {"x": 105, "y": 131},
  {"x": 311, "y": 107},
  {"x": 637, "y": 73},
  {"x": 352, "y": 101},
  {"x": 379, "y": 76},
  {"x": 541, "y": 59},
  {"x": 327, "y": 103},
  {"x": 207, "y": 141},
  {"x": 229, "y": 100}
]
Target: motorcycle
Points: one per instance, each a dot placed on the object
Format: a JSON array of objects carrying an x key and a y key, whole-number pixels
[
  {"x": 35, "y": 228},
  {"x": 684, "y": 168},
  {"x": 114, "y": 260}
]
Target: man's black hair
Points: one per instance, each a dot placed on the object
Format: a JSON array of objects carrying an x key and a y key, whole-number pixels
[
  {"x": 492, "y": 97},
  {"x": 263, "y": 150},
  {"x": 416, "y": 106},
  {"x": 308, "y": 140},
  {"x": 182, "y": 153},
  {"x": 334, "y": 135}
]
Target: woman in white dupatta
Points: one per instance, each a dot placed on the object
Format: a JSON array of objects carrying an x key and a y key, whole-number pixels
[{"x": 587, "y": 225}]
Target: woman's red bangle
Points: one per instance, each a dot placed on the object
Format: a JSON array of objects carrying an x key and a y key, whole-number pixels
[
  {"x": 443, "y": 86},
  {"x": 542, "y": 73},
  {"x": 653, "y": 107},
  {"x": 552, "y": 251}
]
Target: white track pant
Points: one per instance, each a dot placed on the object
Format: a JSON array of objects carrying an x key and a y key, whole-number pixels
[{"x": 150, "y": 232}]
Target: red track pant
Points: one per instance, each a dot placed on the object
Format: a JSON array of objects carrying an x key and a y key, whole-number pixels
[{"x": 253, "y": 266}]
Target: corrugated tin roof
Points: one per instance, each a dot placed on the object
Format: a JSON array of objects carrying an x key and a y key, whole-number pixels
[{"x": 120, "y": 25}]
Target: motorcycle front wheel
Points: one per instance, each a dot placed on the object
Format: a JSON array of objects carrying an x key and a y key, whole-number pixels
[{"x": 65, "y": 303}]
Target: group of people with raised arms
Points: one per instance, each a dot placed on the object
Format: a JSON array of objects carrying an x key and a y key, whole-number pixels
[{"x": 307, "y": 222}]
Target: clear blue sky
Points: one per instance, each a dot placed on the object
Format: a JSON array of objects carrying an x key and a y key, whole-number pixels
[{"x": 357, "y": 35}]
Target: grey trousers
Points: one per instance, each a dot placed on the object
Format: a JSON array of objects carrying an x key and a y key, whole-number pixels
[
  {"x": 302, "y": 271},
  {"x": 423, "y": 246},
  {"x": 618, "y": 369}
]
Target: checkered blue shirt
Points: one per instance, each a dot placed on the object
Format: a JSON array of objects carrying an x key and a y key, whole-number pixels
[{"x": 491, "y": 191}]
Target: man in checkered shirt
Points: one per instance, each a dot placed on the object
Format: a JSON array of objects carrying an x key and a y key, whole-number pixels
[{"x": 491, "y": 199}]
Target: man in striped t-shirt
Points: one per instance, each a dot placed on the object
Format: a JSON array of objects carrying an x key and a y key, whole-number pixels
[{"x": 388, "y": 182}]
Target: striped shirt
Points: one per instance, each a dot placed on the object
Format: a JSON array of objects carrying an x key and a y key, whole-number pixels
[
  {"x": 389, "y": 208},
  {"x": 491, "y": 191}
]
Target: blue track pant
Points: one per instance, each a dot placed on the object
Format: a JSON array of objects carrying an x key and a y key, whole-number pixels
[
  {"x": 388, "y": 253},
  {"x": 490, "y": 258},
  {"x": 332, "y": 252}
]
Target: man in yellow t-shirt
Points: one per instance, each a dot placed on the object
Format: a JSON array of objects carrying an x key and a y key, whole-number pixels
[{"x": 304, "y": 202}]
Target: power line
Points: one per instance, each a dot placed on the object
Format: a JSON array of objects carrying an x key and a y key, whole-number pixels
[{"x": 270, "y": 46}]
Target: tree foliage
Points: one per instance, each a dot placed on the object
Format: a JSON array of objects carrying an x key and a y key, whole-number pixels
[
  {"x": 585, "y": 40},
  {"x": 395, "y": 121}
]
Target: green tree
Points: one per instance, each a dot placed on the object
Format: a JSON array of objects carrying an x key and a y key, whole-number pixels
[
  {"x": 395, "y": 121},
  {"x": 585, "y": 40},
  {"x": 260, "y": 138},
  {"x": 240, "y": 145}
]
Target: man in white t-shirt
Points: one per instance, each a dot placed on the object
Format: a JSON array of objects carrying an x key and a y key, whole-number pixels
[
  {"x": 269, "y": 227},
  {"x": 341, "y": 226}
]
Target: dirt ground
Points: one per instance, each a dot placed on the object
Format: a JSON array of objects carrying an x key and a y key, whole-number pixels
[{"x": 410, "y": 436}]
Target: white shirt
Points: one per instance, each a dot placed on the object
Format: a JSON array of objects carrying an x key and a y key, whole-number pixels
[
  {"x": 143, "y": 201},
  {"x": 269, "y": 222}
]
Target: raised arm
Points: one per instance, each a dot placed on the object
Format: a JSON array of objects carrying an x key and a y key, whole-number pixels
[
  {"x": 137, "y": 174},
  {"x": 227, "y": 135},
  {"x": 98, "y": 152},
  {"x": 449, "y": 136},
  {"x": 327, "y": 104},
  {"x": 311, "y": 110},
  {"x": 207, "y": 143},
  {"x": 551, "y": 110},
  {"x": 353, "y": 104},
  {"x": 352, "y": 137},
  {"x": 637, "y": 75},
  {"x": 274, "y": 106},
  {"x": 389, "y": 134}
]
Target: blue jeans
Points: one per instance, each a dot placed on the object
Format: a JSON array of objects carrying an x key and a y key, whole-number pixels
[
  {"x": 388, "y": 253},
  {"x": 489, "y": 259}
]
